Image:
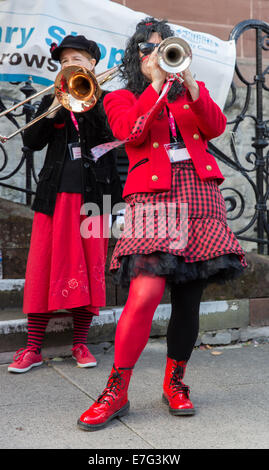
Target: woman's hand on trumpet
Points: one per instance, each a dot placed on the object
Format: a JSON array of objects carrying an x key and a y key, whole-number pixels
[{"x": 190, "y": 83}]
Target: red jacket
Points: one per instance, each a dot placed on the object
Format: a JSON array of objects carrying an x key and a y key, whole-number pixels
[{"x": 149, "y": 165}]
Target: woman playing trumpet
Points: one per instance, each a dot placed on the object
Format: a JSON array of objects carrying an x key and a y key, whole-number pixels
[{"x": 168, "y": 165}]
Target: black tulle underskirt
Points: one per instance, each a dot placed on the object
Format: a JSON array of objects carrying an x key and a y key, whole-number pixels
[{"x": 176, "y": 270}]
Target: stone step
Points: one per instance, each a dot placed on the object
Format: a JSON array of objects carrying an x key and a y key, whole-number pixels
[{"x": 215, "y": 316}]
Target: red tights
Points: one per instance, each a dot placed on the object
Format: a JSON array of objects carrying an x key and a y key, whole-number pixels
[{"x": 134, "y": 326}]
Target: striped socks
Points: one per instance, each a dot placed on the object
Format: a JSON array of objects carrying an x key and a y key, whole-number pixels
[
  {"x": 82, "y": 320},
  {"x": 37, "y": 324}
]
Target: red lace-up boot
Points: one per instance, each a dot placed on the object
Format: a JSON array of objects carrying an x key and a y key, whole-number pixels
[
  {"x": 112, "y": 403},
  {"x": 175, "y": 392}
]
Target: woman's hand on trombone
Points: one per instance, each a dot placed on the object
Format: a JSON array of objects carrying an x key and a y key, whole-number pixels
[{"x": 53, "y": 104}]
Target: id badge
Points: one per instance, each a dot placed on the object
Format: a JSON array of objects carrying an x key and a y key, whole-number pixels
[
  {"x": 74, "y": 151},
  {"x": 176, "y": 152}
]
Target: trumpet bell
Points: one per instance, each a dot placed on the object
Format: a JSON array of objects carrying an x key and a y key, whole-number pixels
[
  {"x": 174, "y": 55},
  {"x": 77, "y": 88}
]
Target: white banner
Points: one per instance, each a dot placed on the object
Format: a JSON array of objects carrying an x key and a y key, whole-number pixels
[{"x": 28, "y": 27}]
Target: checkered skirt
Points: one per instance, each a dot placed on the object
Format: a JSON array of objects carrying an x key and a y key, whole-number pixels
[{"x": 181, "y": 233}]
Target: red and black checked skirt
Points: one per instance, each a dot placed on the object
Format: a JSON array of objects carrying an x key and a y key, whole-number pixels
[{"x": 181, "y": 234}]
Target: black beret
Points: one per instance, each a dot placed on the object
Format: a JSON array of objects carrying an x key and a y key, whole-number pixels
[{"x": 76, "y": 42}]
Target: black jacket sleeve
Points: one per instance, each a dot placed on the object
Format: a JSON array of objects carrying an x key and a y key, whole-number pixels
[{"x": 37, "y": 136}]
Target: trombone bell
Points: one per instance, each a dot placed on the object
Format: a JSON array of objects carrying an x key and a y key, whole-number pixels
[
  {"x": 77, "y": 88},
  {"x": 174, "y": 55}
]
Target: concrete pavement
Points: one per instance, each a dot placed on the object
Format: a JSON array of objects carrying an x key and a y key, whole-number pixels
[{"x": 229, "y": 387}]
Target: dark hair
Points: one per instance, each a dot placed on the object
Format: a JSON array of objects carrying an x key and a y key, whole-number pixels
[{"x": 130, "y": 69}]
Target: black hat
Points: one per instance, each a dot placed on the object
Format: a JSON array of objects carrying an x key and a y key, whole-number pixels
[{"x": 76, "y": 42}]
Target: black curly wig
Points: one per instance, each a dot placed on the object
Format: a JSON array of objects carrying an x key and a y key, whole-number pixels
[{"x": 130, "y": 69}]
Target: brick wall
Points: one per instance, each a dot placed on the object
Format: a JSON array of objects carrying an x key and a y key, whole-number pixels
[{"x": 217, "y": 17}]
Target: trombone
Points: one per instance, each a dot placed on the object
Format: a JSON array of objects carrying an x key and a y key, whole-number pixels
[{"x": 77, "y": 89}]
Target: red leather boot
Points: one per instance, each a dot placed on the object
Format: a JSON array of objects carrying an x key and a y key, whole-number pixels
[
  {"x": 112, "y": 403},
  {"x": 175, "y": 392}
]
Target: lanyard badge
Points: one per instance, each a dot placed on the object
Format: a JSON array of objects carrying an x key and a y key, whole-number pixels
[
  {"x": 74, "y": 151},
  {"x": 176, "y": 151}
]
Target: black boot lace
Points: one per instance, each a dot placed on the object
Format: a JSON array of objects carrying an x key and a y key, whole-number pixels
[
  {"x": 176, "y": 381},
  {"x": 115, "y": 384}
]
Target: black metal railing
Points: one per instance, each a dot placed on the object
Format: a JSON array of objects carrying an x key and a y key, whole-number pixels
[
  {"x": 254, "y": 171},
  {"x": 27, "y": 157}
]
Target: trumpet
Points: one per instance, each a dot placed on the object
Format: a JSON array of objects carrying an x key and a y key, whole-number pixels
[
  {"x": 76, "y": 88},
  {"x": 174, "y": 55}
]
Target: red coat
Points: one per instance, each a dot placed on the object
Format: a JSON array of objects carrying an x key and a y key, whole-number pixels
[{"x": 198, "y": 122}]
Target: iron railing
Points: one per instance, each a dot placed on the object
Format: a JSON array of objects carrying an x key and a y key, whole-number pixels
[
  {"x": 256, "y": 171},
  {"x": 27, "y": 157}
]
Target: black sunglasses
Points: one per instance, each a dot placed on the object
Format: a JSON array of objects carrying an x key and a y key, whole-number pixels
[{"x": 147, "y": 47}]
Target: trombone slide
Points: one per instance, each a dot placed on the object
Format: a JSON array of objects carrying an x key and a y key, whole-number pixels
[
  {"x": 3, "y": 139},
  {"x": 76, "y": 88}
]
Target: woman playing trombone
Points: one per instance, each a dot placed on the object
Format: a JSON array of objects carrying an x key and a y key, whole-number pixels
[{"x": 65, "y": 270}]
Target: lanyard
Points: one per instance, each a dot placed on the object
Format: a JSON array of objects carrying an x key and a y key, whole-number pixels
[
  {"x": 74, "y": 121},
  {"x": 172, "y": 125}
]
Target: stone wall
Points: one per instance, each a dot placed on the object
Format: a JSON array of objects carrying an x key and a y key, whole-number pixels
[{"x": 15, "y": 232}]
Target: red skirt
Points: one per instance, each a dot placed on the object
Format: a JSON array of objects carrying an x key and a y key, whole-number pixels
[
  {"x": 65, "y": 269},
  {"x": 189, "y": 221}
]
